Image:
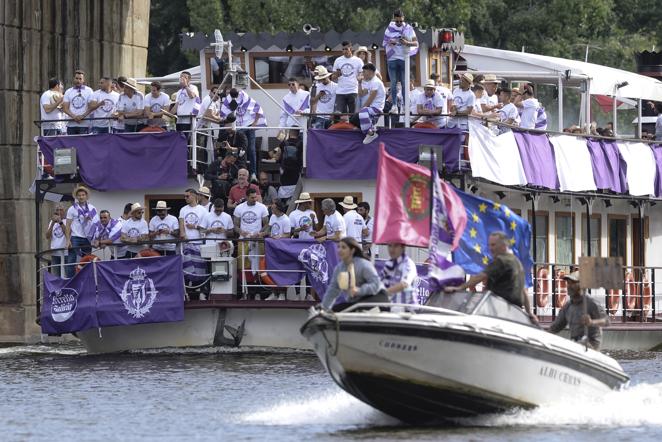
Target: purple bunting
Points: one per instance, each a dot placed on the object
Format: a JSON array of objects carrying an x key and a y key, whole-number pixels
[
  {"x": 608, "y": 166},
  {"x": 292, "y": 258},
  {"x": 140, "y": 291},
  {"x": 657, "y": 153},
  {"x": 341, "y": 154},
  {"x": 69, "y": 304},
  {"x": 537, "y": 154},
  {"x": 125, "y": 161}
]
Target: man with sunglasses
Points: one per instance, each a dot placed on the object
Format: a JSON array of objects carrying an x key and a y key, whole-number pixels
[
  {"x": 295, "y": 102},
  {"x": 346, "y": 71},
  {"x": 134, "y": 230},
  {"x": 164, "y": 226},
  {"x": 399, "y": 42}
]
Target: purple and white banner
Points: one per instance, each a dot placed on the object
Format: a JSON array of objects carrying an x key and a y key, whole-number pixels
[
  {"x": 290, "y": 258},
  {"x": 140, "y": 291},
  {"x": 69, "y": 305}
]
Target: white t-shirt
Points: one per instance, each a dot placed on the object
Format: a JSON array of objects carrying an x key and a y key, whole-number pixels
[
  {"x": 354, "y": 224},
  {"x": 168, "y": 223},
  {"x": 400, "y": 50},
  {"x": 195, "y": 216},
  {"x": 280, "y": 225},
  {"x": 464, "y": 101},
  {"x": 157, "y": 104},
  {"x": 299, "y": 219},
  {"x": 251, "y": 216},
  {"x": 349, "y": 68},
  {"x": 335, "y": 223},
  {"x": 78, "y": 99},
  {"x": 133, "y": 104},
  {"x": 509, "y": 111},
  {"x": 134, "y": 229},
  {"x": 107, "y": 108},
  {"x": 56, "y": 114},
  {"x": 213, "y": 221},
  {"x": 207, "y": 104},
  {"x": 477, "y": 106},
  {"x": 186, "y": 105},
  {"x": 375, "y": 84},
  {"x": 492, "y": 100},
  {"x": 326, "y": 102},
  {"x": 529, "y": 113},
  {"x": 58, "y": 239},
  {"x": 367, "y": 238},
  {"x": 81, "y": 227},
  {"x": 431, "y": 103}
]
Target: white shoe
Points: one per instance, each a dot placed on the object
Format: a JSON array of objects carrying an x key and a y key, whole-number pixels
[
  {"x": 370, "y": 137},
  {"x": 257, "y": 298},
  {"x": 281, "y": 297},
  {"x": 272, "y": 297},
  {"x": 309, "y": 298},
  {"x": 253, "y": 177},
  {"x": 203, "y": 297}
]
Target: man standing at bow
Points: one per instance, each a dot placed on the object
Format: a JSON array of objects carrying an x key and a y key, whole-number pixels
[
  {"x": 76, "y": 105},
  {"x": 399, "y": 42}
]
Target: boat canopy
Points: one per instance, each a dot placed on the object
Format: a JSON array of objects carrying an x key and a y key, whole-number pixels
[
  {"x": 173, "y": 79},
  {"x": 524, "y": 66}
]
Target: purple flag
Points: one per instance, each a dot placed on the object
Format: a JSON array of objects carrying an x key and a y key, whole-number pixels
[
  {"x": 139, "y": 291},
  {"x": 289, "y": 258},
  {"x": 125, "y": 161},
  {"x": 608, "y": 167},
  {"x": 657, "y": 153},
  {"x": 537, "y": 154},
  {"x": 69, "y": 304},
  {"x": 341, "y": 154}
]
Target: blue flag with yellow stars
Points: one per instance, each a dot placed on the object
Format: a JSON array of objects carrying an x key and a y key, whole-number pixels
[{"x": 483, "y": 218}]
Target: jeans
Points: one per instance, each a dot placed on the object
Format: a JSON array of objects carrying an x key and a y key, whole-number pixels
[
  {"x": 346, "y": 103},
  {"x": 100, "y": 130},
  {"x": 52, "y": 132},
  {"x": 56, "y": 262},
  {"x": 77, "y": 130},
  {"x": 74, "y": 254},
  {"x": 396, "y": 73},
  {"x": 251, "y": 155}
]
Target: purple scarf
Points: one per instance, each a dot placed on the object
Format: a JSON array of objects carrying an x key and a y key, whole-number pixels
[{"x": 103, "y": 232}]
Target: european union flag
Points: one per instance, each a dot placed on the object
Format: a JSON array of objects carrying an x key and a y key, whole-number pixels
[{"x": 483, "y": 218}]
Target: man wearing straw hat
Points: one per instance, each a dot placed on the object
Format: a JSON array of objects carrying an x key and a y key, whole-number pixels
[
  {"x": 303, "y": 218},
  {"x": 81, "y": 219},
  {"x": 203, "y": 198},
  {"x": 130, "y": 106},
  {"x": 325, "y": 98},
  {"x": 354, "y": 223},
  {"x": 134, "y": 230},
  {"x": 489, "y": 102},
  {"x": 463, "y": 102},
  {"x": 164, "y": 226},
  {"x": 431, "y": 105}
]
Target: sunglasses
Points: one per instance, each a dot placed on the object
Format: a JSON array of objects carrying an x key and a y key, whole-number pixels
[{"x": 291, "y": 84}]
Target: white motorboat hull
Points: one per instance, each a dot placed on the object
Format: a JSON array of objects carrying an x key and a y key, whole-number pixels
[
  {"x": 204, "y": 327},
  {"x": 431, "y": 369}
]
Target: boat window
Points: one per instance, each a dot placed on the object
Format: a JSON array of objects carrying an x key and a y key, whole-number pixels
[
  {"x": 595, "y": 236},
  {"x": 617, "y": 227},
  {"x": 276, "y": 68},
  {"x": 217, "y": 68},
  {"x": 542, "y": 236},
  {"x": 565, "y": 251},
  {"x": 464, "y": 302},
  {"x": 497, "y": 307}
]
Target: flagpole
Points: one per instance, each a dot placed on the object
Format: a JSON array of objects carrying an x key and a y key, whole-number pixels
[{"x": 432, "y": 181}]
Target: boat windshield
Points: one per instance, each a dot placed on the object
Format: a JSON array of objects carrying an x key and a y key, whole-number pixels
[{"x": 483, "y": 304}]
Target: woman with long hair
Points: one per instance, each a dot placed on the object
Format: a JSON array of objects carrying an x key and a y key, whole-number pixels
[{"x": 355, "y": 276}]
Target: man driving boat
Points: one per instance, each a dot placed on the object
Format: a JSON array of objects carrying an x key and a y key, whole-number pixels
[{"x": 503, "y": 276}]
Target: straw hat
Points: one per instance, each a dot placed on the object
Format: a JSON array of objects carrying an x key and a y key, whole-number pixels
[
  {"x": 468, "y": 77},
  {"x": 430, "y": 83},
  {"x": 204, "y": 191},
  {"x": 361, "y": 49},
  {"x": 134, "y": 207},
  {"x": 161, "y": 205},
  {"x": 321, "y": 73},
  {"x": 78, "y": 188},
  {"x": 304, "y": 197},
  {"x": 490, "y": 78},
  {"x": 348, "y": 203}
]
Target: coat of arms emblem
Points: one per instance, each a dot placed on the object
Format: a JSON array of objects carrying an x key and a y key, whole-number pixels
[
  {"x": 313, "y": 259},
  {"x": 138, "y": 293}
]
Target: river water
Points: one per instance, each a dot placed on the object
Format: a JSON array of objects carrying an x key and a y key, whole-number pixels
[{"x": 60, "y": 393}]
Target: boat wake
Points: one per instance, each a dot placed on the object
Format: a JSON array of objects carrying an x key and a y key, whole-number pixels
[
  {"x": 337, "y": 408},
  {"x": 60, "y": 349},
  {"x": 220, "y": 350},
  {"x": 639, "y": 405}
]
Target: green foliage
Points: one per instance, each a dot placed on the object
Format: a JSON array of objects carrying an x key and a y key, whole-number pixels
[{"x": 613, "y": 29}]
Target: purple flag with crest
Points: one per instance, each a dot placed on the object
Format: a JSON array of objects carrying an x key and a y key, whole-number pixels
[
  {"x": 69, "y": 305},
  {"x": 140, "y": 291},
  {"x": 289, "y": 259}
]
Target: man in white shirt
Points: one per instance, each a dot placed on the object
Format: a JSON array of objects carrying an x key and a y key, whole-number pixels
[
  {"x": 446, "y": 95},
  {"x": 658, "y": 122},
  {"x": 279, "y": 223},
  {"x": 324, "y": 100},
  {"x": 354, "y": 223},
  {"x": 346, "y": 71},
  {"x": 399, "y": 42},
  {"x": 303, "y": 218},
  {"x": 187, "y": 103},
  {"x": 134, "y": 230},
  {"x": 334, "y": 225},
  {"x": 367, "y": 117},
  {"x": 489, "y": 102},
  {"x": 430, "y": 105},
  {"x": 363, "y": 209},
  {"x": 107, "y": 233},
  {"x": 529, "y": 108},
  {"x": 479, "y": 92},
  {"x": 130, "y": 106},
  {"x": 218, "y": 224},
  {"x": 191, "y": 216},
  {"x": 155, "y": 103},
  {"x": 508, "y": 113},
  {"x": 203, "y": 198},
  {"x": 50, "y": 108},
  {"x": 81, "y": 220},
  {"x": 75, "y": 105},
  {"x": 463, "y": 102},
  {"x": 58, "y": 240},
  {"x": 251, "y": 218},
  {"x": 164, "y": 226},
  {"x": 103, "y": 102},
  {"x": 295, "y": 102}
]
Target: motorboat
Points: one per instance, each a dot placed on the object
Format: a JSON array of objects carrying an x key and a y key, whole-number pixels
[{"x": 461, "y": 355}]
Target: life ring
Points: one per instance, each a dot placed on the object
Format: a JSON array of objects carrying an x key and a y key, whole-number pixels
[
  {"x": 148, "y": 253},
  {"x": 264, "y": 276},
  {"x": 84, "y": 260},
  {"x": 562, "y": 290},
  {"x": 631, "y": 292},
  {"x": 647, "y": 292},
  {"x": 613, "y": 300},
  {"x": 542, "y": 285}
]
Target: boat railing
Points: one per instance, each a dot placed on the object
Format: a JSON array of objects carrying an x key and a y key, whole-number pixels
[
  {"x": 635, "y": 301},
  {"x": 400, "y": 308}
]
